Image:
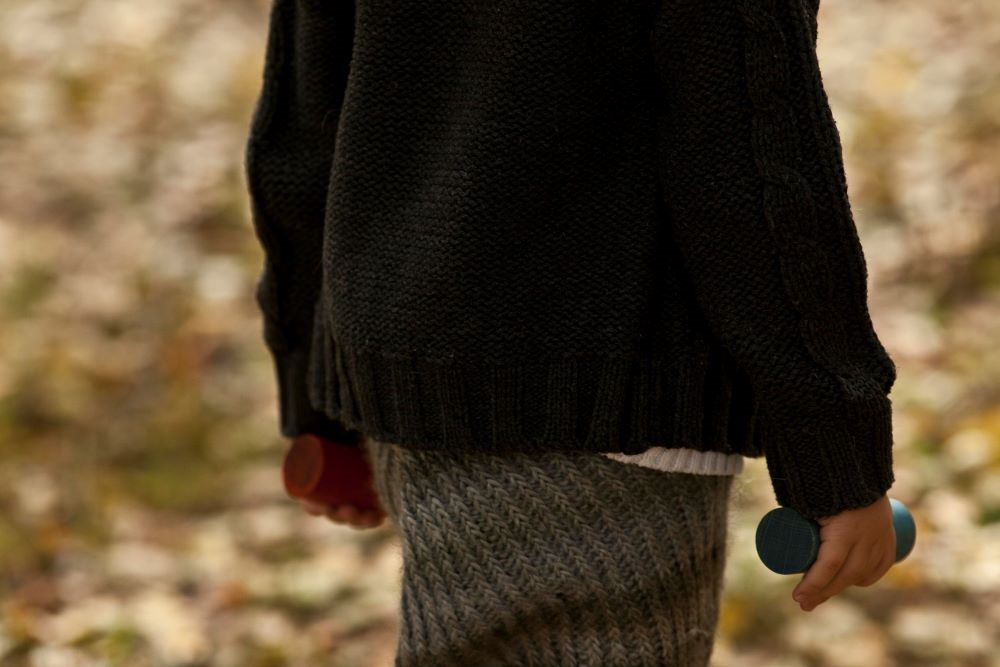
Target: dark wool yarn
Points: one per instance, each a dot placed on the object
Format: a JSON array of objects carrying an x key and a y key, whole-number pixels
[{"x": 568, "y": 225}]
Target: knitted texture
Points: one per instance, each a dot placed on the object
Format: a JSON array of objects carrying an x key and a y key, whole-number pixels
[
  {"x": 553, "y": 558},
  {"x": 541, "y": 226}
]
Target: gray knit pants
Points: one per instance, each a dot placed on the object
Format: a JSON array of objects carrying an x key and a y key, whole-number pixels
[{"x": 553, "y": 559}]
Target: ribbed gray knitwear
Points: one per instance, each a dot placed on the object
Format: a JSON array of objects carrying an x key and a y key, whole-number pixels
[{"x": 552, "y": 558}]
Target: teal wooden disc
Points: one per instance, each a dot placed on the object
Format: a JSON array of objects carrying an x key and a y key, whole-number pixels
[
  {"x": 905, "y": 527},
  {"x": 787, "y": 543}
]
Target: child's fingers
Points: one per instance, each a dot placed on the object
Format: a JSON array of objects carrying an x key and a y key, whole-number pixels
[
  {"x": 343, "y": 513},
  {"x": 357, "y": 518},
  {"x": 885, "y": 561},
  {"x": 311, "y": 507},
  {"x": 369, "y": 518},
  {"x": 855, "y": 568},
  {"x": 828, "y": 562},
  {"x": 348, "y": 514}
]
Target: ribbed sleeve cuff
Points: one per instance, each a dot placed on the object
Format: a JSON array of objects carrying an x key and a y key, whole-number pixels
[
  {"x": 826, "y": 465},
  {"x": 296, "y": 411}
]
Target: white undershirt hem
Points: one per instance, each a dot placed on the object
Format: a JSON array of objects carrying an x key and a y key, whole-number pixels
[{"x": 683, "y": 459}]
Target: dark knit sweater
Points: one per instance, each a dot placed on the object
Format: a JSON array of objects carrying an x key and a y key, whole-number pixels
[{"x": 592, "y": 226}]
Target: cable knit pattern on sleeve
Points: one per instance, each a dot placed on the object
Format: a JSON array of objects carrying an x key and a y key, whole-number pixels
[
  {"x": 789, "y": 205},
  {"x": 758, "y": 207}
]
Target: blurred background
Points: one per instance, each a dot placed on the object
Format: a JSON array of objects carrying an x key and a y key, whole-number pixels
[{"x": 143, "y": 519}]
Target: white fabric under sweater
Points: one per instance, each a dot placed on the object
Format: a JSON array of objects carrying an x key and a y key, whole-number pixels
[{"x": 682, "y": 459}]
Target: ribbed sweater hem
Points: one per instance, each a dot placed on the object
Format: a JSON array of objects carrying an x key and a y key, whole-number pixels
[{"x": 596, "y": 403}]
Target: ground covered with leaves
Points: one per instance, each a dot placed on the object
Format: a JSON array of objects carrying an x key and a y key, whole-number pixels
[{"x": 143, "y": 520}]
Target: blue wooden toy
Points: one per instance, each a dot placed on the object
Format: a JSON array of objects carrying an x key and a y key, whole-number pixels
[{"x": 787, "y": 542}]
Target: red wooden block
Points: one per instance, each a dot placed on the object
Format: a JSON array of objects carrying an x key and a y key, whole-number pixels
[{"x": 328, "y": 472}]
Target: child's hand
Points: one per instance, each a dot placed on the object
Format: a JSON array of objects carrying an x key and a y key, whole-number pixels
[
  {"x": 857, "y": 547},
  {"x": 346, "y": 514},
  {"x": 344, "y": 492}
]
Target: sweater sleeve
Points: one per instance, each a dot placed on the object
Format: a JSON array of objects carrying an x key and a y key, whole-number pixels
[
  {"x": 754, "y": 188},
  {"x": 289, "y": 151}
]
